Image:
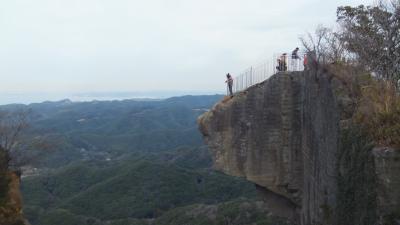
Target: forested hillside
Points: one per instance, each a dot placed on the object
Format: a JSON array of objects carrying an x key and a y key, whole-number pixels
[
  {"x": 109, "y": 129},
  {"x": 128, "y": 162}
]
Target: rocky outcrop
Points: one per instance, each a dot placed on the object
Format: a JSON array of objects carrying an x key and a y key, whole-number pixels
[
  {"x": 387, "y": 169},
  {"x": 11, "y": 201},
  {"x": 293, "y": 137},
  {"x": 10, "y": 195},
  {"x": 282, "y": 135}
]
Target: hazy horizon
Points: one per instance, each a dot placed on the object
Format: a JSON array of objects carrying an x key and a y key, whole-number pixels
[{"x": 28, "y": 98}]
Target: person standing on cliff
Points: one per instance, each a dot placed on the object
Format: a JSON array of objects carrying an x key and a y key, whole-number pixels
[
  {"x": 295, "y": 53},
  {"x": 229, "y": 82},
  {"x": 295, "y": 59},
  {"x": 305, "y": 62},
  {"x": 282, "y": 65},
  {"x": 278, "y": 62}
]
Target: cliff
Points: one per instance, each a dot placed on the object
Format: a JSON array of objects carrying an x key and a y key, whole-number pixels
[
  {"x": 10, "y": 195},
  {"x": 11, "y": 200},
  {"x": 284, "y": 136}
]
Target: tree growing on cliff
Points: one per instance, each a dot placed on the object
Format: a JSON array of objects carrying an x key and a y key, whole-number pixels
[
  {"x": 372, "y": 34},
  {"x": 12, "y": 124},
  {"x": 326, "y": 44}
]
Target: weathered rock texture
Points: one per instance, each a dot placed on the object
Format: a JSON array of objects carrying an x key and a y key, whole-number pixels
[
  {"x": 288, "y": 135},
  {"x": 282, "y": 135},
  {"x": 11, "y": 201},
  {"x": 10, "y": 195},
  {"x": 387, "y": 164}
]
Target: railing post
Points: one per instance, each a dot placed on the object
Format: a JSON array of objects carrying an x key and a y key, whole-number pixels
[
  {"x": 246, "y": 79},
  {"x": 251, "y": 77}
]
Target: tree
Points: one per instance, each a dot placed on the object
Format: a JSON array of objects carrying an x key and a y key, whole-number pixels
[
  {"x": 326, "y": 45},
  {"x": 372, "y": 34},
  {"x": 12, "y": 124}
]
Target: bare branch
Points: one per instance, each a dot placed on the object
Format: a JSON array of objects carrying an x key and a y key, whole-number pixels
[{"x": 12, "y": 124}]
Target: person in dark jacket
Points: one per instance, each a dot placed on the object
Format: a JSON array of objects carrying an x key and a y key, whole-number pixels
[
  {"x": 229, "y": 82},
  {"x": 295, "y": 59},
  {"x": 295, "y": 53}
]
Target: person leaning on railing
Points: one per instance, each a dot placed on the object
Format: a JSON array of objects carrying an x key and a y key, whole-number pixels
[{"x": 229, "y": 82}]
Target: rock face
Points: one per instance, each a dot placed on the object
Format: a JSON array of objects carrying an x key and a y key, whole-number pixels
[
  {"x": 11, "y": 203},
  {"x": 310, "y": 164},
  {"x": 10, "y": 195},
  {"x": 282, "y": 135},
  {"x": 387, "y": 164}
]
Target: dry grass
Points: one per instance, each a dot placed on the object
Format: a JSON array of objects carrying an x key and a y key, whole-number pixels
[
  {"x": 226, "y": 99},
  {"x": 375, "y": 103},
  {"x": 378, "y": 112}
]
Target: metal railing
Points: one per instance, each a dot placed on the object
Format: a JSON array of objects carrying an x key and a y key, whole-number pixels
[{"x": 262, "y": 71}]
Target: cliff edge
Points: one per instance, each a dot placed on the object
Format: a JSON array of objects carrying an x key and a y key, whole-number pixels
[{"x": 284, "y": 135}]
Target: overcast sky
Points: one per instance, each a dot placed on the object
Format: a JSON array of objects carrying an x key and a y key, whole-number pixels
[{"x": 137, "y": 45}]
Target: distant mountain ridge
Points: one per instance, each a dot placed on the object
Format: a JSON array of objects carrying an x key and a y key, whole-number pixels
[
  {"x": 113, "y": 128},
  {"x": 127, "y": 162},
  {"x": 38, "y": 97}
]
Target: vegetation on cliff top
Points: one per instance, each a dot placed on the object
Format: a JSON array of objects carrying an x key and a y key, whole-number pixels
[
  {"x": 378, "y": 113},
  {"x": 369, "y": 74},
  {"x": 367, "y": 37},
  {"x": 371, "y": 104}
]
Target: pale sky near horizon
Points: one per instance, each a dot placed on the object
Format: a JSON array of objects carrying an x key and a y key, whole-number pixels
[{"x": 146, "y": 45}]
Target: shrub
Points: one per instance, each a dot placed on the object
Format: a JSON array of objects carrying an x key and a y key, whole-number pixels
[{"x": 378, "y": 112}]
